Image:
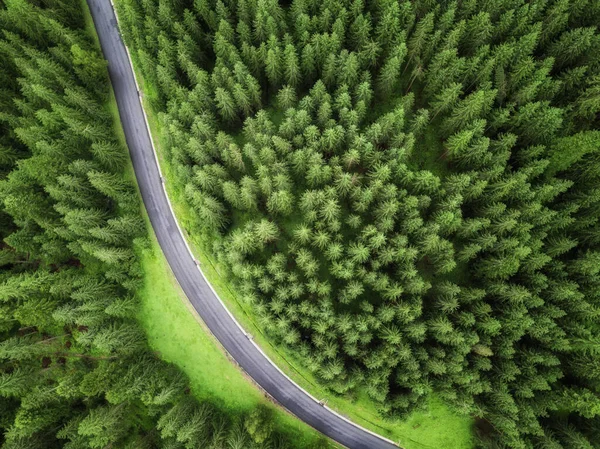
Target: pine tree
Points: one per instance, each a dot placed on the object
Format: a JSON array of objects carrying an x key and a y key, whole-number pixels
[
  {"x": 389, "y": 76},
  {"x": 226, "y": 104},
  {"x": 104, "y": 425},
  {"x": 259, "y": 425}
]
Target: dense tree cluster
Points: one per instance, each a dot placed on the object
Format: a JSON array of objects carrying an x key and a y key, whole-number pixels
[
  {"x": 406, "y": 192},
  {"x": 75, "y": 369}
]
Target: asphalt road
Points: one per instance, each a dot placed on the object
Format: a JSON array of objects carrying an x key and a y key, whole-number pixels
[{"x": 208, "y": 305}]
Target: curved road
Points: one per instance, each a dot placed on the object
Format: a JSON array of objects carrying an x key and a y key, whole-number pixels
[{"x": 197, "y": 289}]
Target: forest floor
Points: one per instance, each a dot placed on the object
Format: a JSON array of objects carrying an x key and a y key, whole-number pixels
[{"x": 434, "y": 427}]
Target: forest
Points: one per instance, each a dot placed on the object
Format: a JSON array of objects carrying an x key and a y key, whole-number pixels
[
  {"x": 75, "y": 367},
  {"x": 406, "y": 193}
]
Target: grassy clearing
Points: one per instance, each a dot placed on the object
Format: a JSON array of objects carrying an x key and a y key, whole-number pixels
[{"x": 437, "y": 427}]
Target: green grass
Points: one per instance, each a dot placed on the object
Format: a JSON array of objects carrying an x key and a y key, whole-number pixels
[
  {"x": 179, "y": 337},
  {"x": 437, "y": 427}
]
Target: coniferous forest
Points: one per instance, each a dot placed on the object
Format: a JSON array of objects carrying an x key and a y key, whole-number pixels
[
  {"x": 406, "y": 194},
  {"x": 75, "y": 368}
]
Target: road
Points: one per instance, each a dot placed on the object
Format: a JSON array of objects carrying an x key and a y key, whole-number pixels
[{"x": 205, "y": 301}]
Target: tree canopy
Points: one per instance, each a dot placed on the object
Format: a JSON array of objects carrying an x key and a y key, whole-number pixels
[
  {"x": 405, "y": 192},
  {"x": 75, "y": 368}
]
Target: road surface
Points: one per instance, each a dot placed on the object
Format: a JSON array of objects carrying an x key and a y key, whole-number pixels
[{"x": 199, "y": 293}]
